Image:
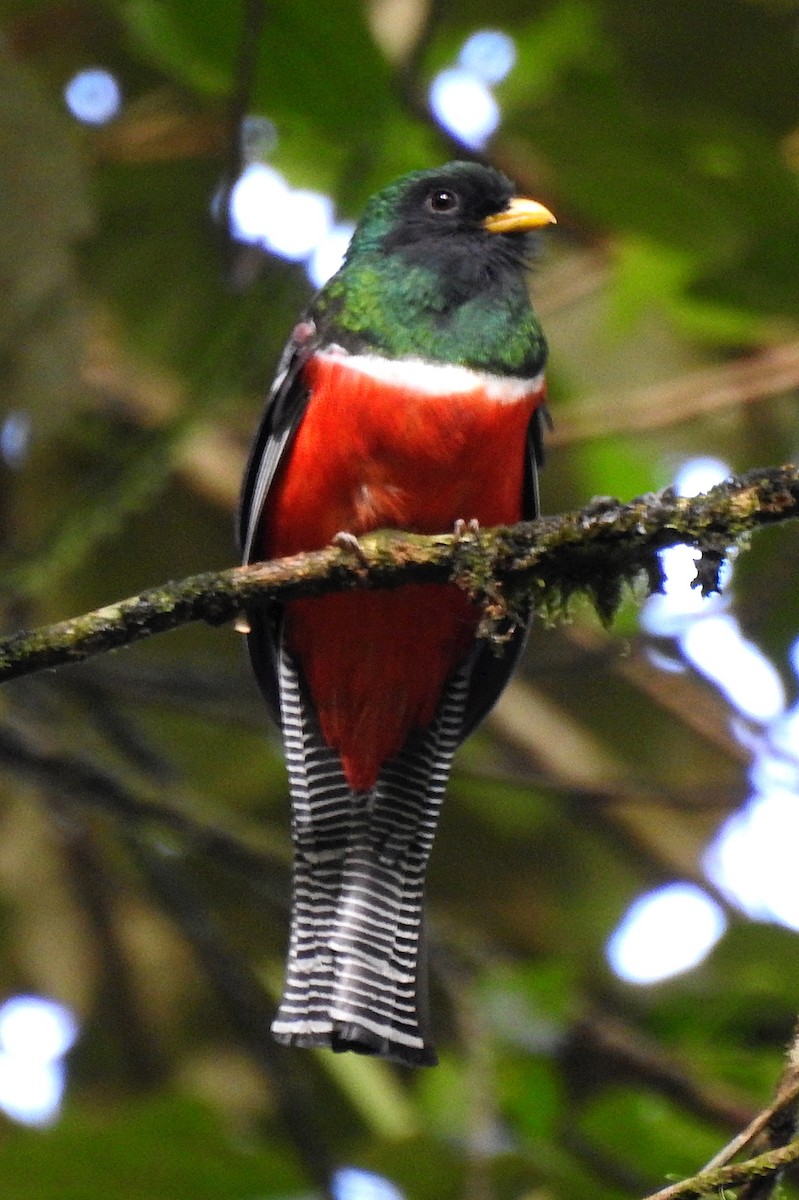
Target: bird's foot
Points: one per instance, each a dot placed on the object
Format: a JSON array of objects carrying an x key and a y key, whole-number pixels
[
  {"x": 463, "y": 529},
  {"x": 349, "y": 542}
]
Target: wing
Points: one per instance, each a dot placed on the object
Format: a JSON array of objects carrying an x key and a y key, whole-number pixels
[
  {"x": 492, "y": 670},
  {"x": 284, "y": 409}
]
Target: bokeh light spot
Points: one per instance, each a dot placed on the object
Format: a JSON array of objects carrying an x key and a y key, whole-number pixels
[
  {"x": 664, "y": 933},
  {"x": 31, "y": 1092},
  {"x": 351, "y": 1183},
  {"x": 489, "y": 54},
  {"x": 15, "y": 439},
  {"x": 700, "y": 475},
  {"x": 717, "y": 648},
  {"x": 35, "y": 1034},
  {"x": 753, "y": 858},
  {"x": 669, "y": 614},
  {"x": 34, "y": 1027},
  {"x": 463, "y": 104},
  {"x": 328, "y": 256},
  {"x": 257, "y": 194},
  {"x": 93, "y": 96},
  {"x": 301, "y": 223},
  {"x": 266, "y": 211}
]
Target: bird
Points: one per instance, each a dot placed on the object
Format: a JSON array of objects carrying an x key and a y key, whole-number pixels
[{"x": 411, "y": 396}]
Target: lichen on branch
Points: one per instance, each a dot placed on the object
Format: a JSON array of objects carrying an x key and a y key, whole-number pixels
[{"x": 596, "y": 551}]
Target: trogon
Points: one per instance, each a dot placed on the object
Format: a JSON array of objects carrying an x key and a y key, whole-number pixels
[{"x": 410, "y": 396}]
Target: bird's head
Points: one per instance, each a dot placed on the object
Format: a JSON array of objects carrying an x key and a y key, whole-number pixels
[
  {"x": 451, "y": 213},
  {"x": 436, "y": 268}
]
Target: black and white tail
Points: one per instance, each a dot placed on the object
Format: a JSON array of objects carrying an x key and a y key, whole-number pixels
[{"x": 356, "y": 972}]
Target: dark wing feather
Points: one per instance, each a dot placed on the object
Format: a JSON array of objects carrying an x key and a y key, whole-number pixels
[
  {"x": 284, "y": 409},
  {"x": 492, "y": 670}
]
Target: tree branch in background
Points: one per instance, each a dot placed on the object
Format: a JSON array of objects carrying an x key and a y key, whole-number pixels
[
  {"x": 773, "y": 1129},
  {"x": 103, "y": 791},
  {"x": 595, "y": 550},
  {"x": 242, "y": 998},
  {"x": 772, "y": 1132},
  {"x": 769, "y": 372},
  {"x": 711, "y": 1183}
]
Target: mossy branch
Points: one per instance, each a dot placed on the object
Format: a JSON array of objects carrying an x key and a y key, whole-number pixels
[
  {"x": 714, "y": 1182},
  {"x": 771, "y": 1133},
  {"x": 595, "y": 550}
]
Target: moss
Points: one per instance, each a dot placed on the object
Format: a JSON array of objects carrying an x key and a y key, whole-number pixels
[{"x": 542, "y": 565}]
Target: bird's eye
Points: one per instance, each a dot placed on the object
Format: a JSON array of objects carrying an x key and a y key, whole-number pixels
[{"x": 442, "y": 200}]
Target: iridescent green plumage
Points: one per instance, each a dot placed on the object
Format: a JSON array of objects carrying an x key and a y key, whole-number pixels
[{"x": 406, "y": 291}]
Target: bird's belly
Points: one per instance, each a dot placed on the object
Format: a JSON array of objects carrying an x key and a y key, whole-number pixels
[{"x": 368, "y": 456}]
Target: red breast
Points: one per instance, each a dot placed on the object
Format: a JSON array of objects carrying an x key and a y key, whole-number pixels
[{"x": 403, "y": 445}]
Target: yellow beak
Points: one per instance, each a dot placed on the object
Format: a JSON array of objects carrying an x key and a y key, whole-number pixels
[{"x": 520, "y": 215}]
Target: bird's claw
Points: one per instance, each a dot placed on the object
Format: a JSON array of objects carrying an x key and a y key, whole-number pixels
[
  {"x": 462, "y": 528},
  {"x": 349, "y": 542}
]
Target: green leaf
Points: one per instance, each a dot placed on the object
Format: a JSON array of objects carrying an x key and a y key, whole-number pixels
[
  {"x": 149, "y": 1149},
  {"x": 317, "y": 60},
  {"x": 644, "y": 1130}
]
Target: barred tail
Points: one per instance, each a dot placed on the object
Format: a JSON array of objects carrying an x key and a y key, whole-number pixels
[{"x": 356, "y": 973}]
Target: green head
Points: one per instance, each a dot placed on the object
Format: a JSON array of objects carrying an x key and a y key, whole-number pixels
[{"x": 437, "y": 270}]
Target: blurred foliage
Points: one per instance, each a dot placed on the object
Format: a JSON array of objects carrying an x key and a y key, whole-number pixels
[{"x": 144, "y": 857}]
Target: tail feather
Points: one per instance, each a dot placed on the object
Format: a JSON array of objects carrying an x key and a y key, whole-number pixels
[
  {"x": 356, "y": 976},
  {"x": 321, "y": 818}
]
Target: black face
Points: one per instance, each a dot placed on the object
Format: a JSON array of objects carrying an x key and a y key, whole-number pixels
[
  {"x": 456, "y": 198},
  {"x": 440, "y": 222}
]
